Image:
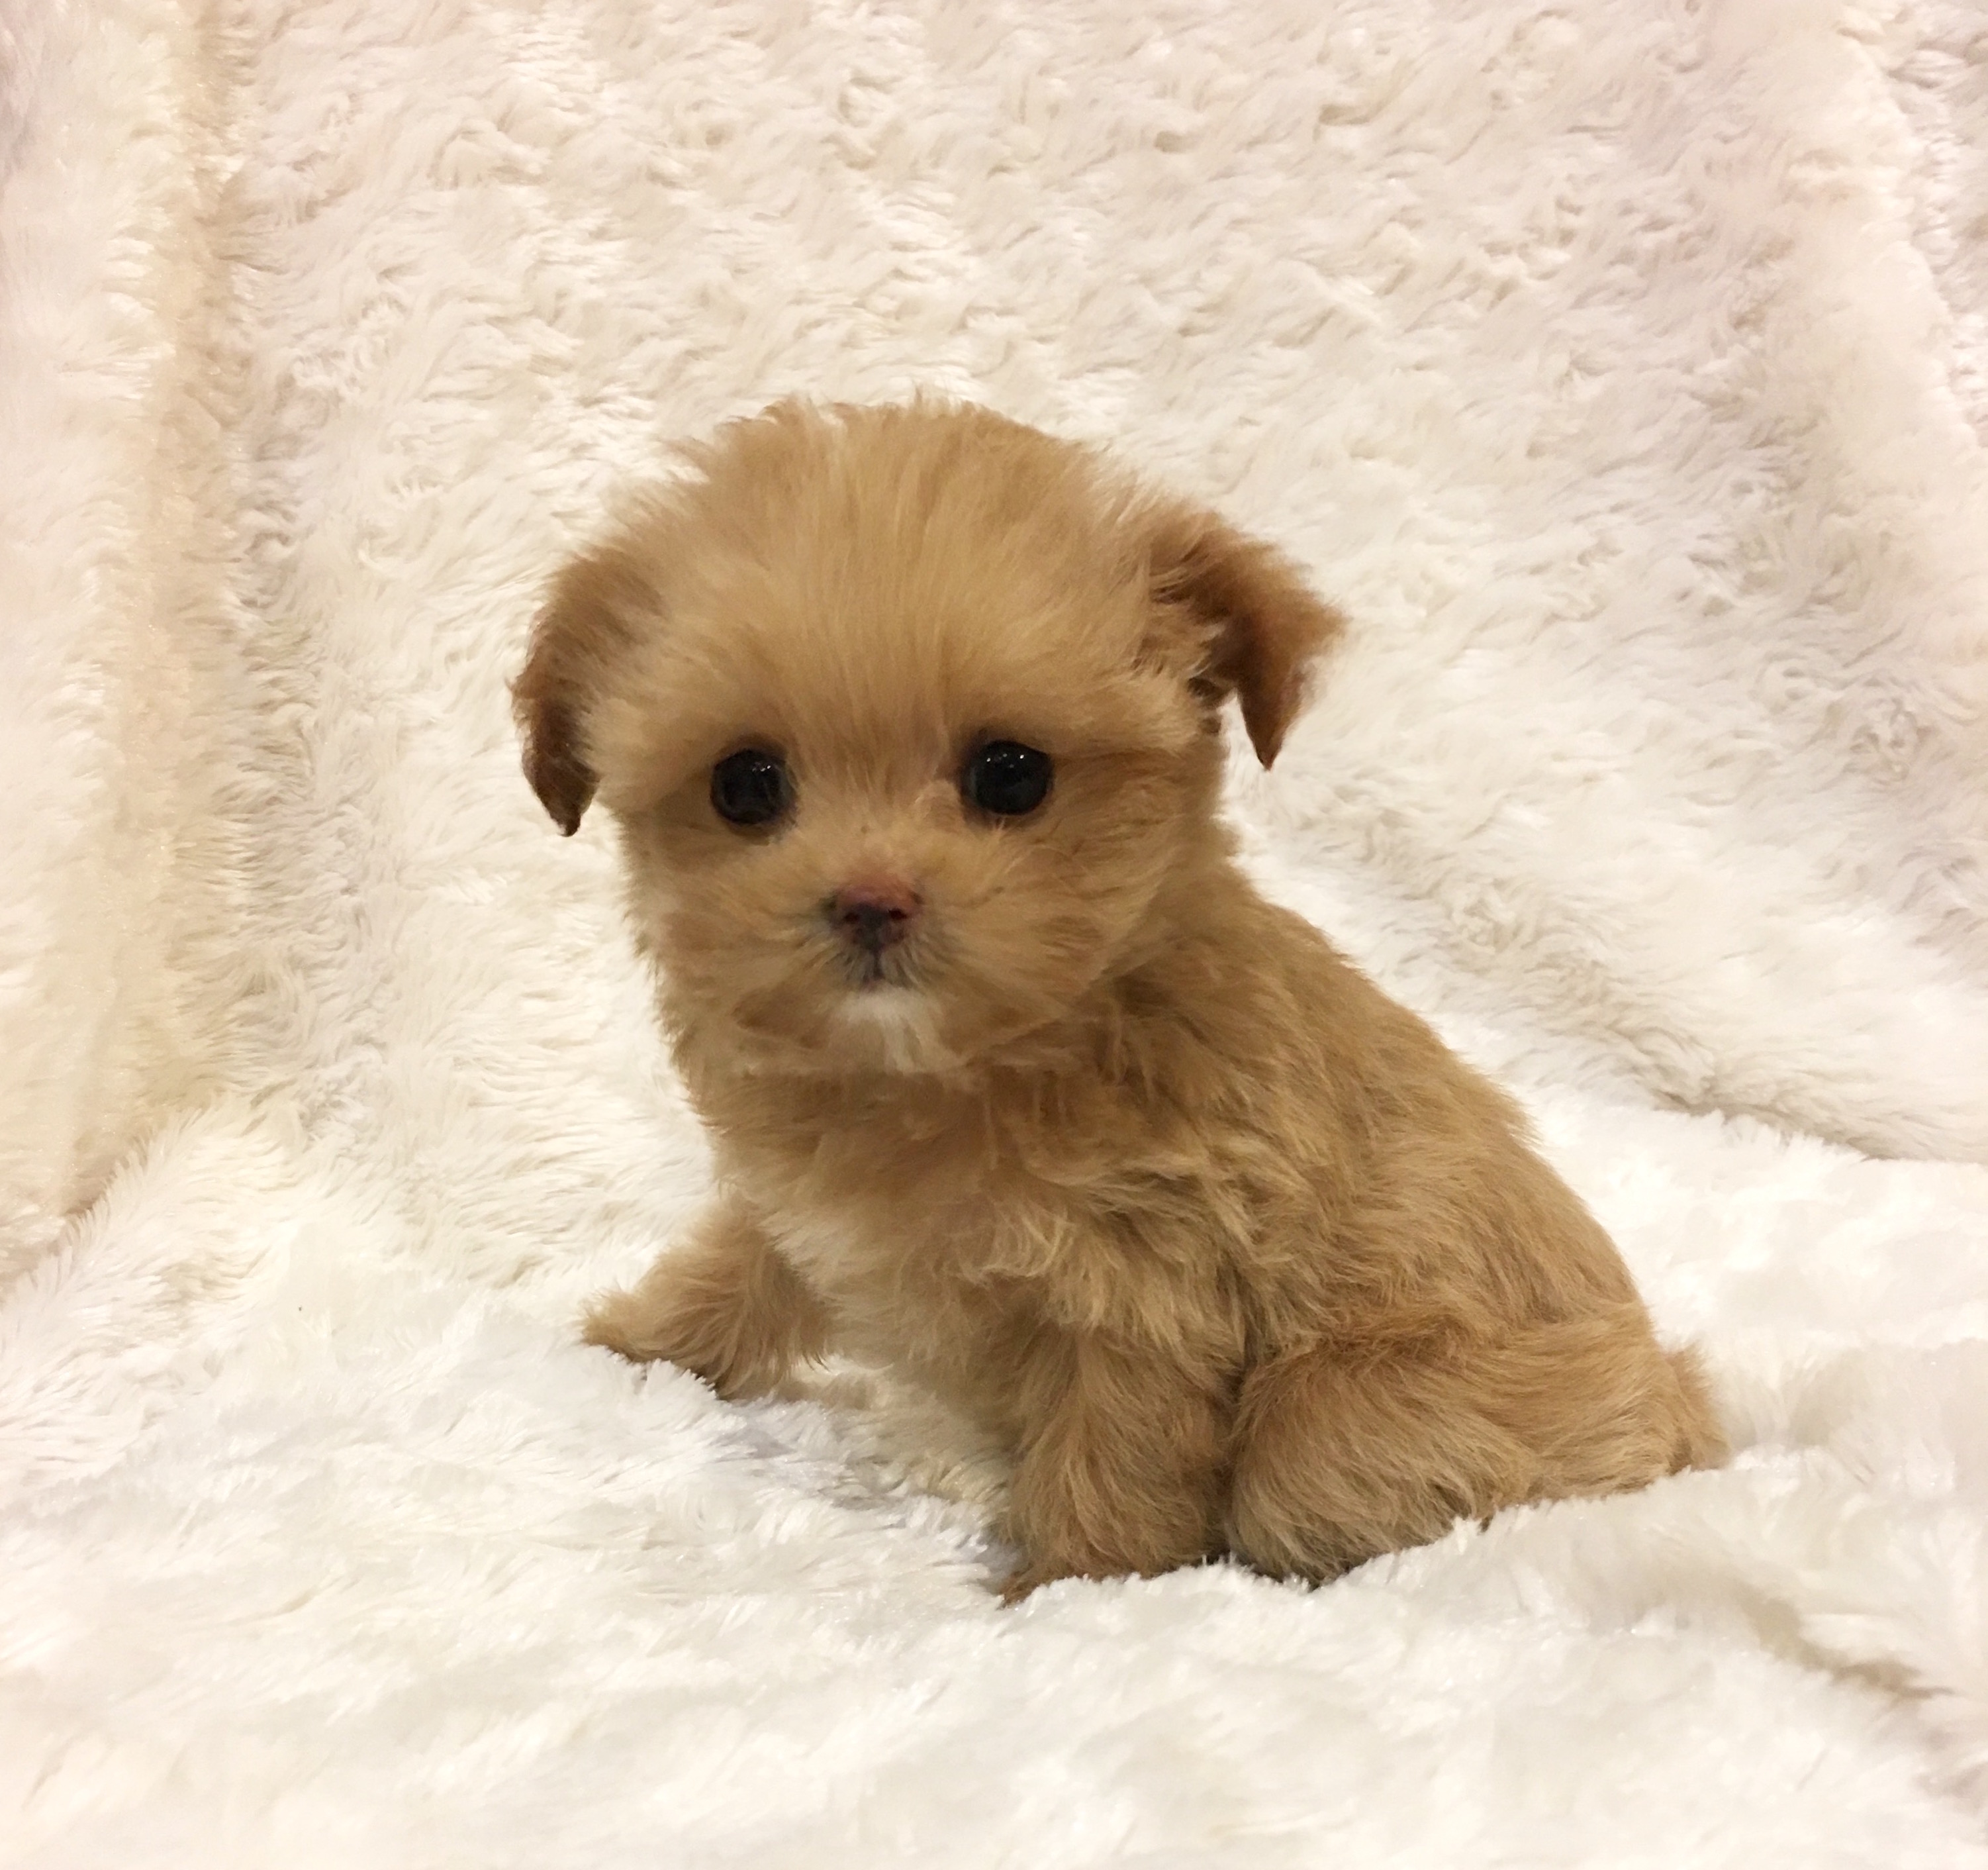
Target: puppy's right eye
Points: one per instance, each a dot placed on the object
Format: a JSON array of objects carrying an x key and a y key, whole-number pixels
[{"x": 751, "y": 786}]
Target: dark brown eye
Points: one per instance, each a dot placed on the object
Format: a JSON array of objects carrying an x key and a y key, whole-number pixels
[
  {"x": 751, "y": 786},
  {"x": 1007, "y": 779}
]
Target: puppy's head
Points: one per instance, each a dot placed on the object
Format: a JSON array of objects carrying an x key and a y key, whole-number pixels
[{"x": 910, "y": 717}]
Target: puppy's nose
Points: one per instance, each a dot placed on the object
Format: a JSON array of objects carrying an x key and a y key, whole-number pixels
[{"x": 874, "y": 912}]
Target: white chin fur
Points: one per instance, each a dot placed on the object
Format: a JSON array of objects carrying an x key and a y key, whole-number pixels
[{"x": 900, "y": 1022}]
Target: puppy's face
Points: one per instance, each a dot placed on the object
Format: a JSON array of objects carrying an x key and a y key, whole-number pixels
[{"x": 909, "y": 718}]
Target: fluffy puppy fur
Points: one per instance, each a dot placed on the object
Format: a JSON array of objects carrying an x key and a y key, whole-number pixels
[{"x": 1047, "y": 1107}]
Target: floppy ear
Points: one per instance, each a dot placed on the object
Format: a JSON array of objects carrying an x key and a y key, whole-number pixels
[
  {"x": 1260, "y": 626},
  {"x": 580, "y": 636}
]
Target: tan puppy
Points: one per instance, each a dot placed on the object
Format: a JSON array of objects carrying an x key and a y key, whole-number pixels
[{"x": 911, "y": 719}]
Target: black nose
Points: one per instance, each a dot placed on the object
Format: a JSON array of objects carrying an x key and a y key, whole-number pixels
[{"x": 876, "y": 913}]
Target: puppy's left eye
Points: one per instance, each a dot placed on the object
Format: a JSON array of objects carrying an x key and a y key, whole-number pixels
[{"x": 1006, "y": 778}]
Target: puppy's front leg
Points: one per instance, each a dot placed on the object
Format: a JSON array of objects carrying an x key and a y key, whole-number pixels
[
  {"x": 723, "y": 1304},
  {"x": 1119, "y": 1466}
]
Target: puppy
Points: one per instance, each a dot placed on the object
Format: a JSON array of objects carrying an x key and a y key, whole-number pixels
[{"x": 911, "y": 719}]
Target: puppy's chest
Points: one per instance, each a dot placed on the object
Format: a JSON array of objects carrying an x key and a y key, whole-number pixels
[
  {"x": 929, "y": 1254},
  {"x": 879, "y": 1245}
]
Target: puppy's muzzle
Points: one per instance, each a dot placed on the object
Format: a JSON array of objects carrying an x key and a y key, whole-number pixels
[{"x": 874, "y": 914}]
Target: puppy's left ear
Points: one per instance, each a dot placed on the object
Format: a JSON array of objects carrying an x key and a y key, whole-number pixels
[
  {"x": 1258, "y": 626},
  {"x": 580, "y": 638}
]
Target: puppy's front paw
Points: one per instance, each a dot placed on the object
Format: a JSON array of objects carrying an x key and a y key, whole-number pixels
[
  {"x": 689, "y": 1322},
  {"x": 724, "y": 1306},
  {"x": 644, "y": 1325},
  {"x": 622, "y": 1323}
]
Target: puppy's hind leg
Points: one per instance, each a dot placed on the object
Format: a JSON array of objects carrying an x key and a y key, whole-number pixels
[
  {"x": 722, "y": 1304},
  {"x": 1340, "y": 1457}
]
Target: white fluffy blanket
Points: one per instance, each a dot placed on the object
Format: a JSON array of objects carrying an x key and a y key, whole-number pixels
[{"x": 1622, "y": 366}]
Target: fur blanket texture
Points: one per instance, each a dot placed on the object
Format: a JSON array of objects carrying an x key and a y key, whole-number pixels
[{"x": 1620, "y": 367}]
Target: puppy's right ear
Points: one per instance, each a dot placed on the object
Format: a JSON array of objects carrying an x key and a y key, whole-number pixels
[{"x": 580, "y": 638}]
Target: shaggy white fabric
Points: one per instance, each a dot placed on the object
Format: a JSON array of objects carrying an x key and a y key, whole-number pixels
[{"x": 1622, "y": 366}]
